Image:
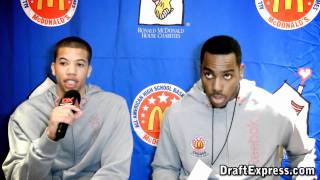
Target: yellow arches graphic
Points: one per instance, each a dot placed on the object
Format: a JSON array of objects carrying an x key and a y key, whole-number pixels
[
  {"x": 152, "y": 117},
  {"x": 50, "y": 4},
  {"x": 287, "y": 5}
]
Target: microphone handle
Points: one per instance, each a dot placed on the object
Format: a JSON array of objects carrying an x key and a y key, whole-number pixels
[{"x": 61, "y": 131}]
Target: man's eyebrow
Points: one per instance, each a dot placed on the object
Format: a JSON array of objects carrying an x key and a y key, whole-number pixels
[
  {"x": 82, "y": 60},
  {"x": 77, "y": 60},
  {"x": 208, "y": 69},
  {"x": 225, "y": 71},
  {"x": 228, "y": 71},
  {"x": 63, "y": 58}
]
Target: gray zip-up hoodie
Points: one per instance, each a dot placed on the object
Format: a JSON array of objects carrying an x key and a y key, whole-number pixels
[
  {"x": 98, "y": 145},
  {"x": 258, "y": 125}
]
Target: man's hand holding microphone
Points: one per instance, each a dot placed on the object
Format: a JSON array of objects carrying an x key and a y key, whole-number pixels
[{"x": 63, "y": 115}]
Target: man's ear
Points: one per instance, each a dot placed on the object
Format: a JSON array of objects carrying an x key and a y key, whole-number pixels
[
  {"x": 53, "y": 70},
  {"x": 89, "y": 71},
  {"x": 241, "y": 70}
]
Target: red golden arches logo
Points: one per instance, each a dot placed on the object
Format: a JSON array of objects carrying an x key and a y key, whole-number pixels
[
  {"x": 151, "y": 114},
  {"x": 198, "y": 144},
  {"x": 288, "y": 10},
  {"x": 49, "y": 12},
  {"x": 288, "y": 14},
  {"x": 149, "y": 107}
]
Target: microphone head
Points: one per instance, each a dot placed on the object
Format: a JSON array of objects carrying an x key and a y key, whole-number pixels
[{"x": 71, "y": 97}]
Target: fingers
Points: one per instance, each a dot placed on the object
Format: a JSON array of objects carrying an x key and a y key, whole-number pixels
[
  {"x": 71, "y": 107},
  {"x": 163, "y": 9},
  {"x": 66, "y": 114},
  {"x": 157, "y": 13},
  {"x": 62, "y": 114},
  {"x": 77, "y": 114},
  {"x": 165, "y": 13}
]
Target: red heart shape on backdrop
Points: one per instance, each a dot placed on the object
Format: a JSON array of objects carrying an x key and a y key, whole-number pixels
[{"x": 304, "y": 73}]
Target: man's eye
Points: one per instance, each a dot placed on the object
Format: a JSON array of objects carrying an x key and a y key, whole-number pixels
[
  {"x": 80, "y": 65},
  {"x": 227, "y": 76},
  {"x": 63, "y": 63},
  {"x": 208, "y": 75}
]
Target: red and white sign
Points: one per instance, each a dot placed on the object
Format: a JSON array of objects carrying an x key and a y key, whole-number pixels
[
  {"x": 149, "y": 107},
  {"x": 49, "y": 13},
  {"x": 288, "y": 14}
]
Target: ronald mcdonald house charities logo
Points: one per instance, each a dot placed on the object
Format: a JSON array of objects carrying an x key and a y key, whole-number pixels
[
  {"x": 49, "y": 13},
  {"x": 165, "y": 13},
  {"x": 148, "y": 108},
  {"x": 161, "y": 12},
  {"x": 288, "y": 14}
]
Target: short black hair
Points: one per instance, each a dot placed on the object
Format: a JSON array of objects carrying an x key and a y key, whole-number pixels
[
  {"x": 222, "y": 44},
  {"x": 73, "y": 42}
]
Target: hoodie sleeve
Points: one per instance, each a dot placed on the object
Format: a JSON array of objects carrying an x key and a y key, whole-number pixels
[
  {"x": 117, "y": 152},
  {"x": 300, "y": 148},
  {"x": 166, "y": 163},
  {"x": 28, "y": 159}
]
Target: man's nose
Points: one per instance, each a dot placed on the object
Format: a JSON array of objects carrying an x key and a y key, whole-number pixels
[
  {"x": 217, "y": 85},
  {"x": 72, "y": 69}
]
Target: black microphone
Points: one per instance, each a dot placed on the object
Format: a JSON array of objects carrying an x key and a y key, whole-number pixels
[{"x": 71, "y": 97}]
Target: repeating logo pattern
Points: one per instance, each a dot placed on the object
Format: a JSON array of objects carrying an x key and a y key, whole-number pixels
[
  {"x": 149, "y": 107},
  {"x": 49, "y": 13},
  {"x": 288, "y": 14}
]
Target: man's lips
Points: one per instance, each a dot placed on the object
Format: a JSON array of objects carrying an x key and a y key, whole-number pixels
[
  {"x": 217, "y": 98},
  {"x": 70, "y": 83}
]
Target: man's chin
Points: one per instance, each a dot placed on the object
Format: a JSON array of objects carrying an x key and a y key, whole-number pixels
[
  {"x": 222, "y": 105},
  {"x": 69, "y": 89}
]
